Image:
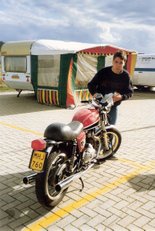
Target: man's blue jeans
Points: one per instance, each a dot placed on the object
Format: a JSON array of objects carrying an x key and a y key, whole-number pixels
[{"x": 112, "y": 116}]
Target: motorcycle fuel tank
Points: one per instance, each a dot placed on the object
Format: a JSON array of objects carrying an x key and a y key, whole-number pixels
[{"x": 87, "y": 116}]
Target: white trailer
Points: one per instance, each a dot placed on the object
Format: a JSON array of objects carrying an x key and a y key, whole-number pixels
[
  {"x": 144, "y": 73},
  {"x": 16, "y": 66}
]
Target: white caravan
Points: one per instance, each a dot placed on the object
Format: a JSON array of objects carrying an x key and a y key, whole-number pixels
[{"x": 144, "y": 74}]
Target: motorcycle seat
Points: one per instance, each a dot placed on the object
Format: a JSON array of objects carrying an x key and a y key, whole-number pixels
[{"x": 63, "y": 132}]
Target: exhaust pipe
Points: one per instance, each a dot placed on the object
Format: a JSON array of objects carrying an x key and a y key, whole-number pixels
[
  {"x": 29, "y": 179},
  {"x": 62, "y": 185}
]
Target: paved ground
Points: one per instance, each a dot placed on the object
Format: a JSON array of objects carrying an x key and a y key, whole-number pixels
[{"x": 120, "y": 195}]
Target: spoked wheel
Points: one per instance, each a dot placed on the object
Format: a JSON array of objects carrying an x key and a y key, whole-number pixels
[
  {"x": 46, "y": 181},
  {"x": 114, "y": 141}
]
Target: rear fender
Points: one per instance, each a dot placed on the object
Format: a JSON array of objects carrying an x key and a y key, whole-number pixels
[
  {"x": 53, "y": 151},
  {"x": 52, "y": 146}
]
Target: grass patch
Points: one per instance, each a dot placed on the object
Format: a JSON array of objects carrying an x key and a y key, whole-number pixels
[{"x": 4, "y": 87}]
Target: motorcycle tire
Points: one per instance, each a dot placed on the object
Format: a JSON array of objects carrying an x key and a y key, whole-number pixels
[
  {"x": 114, "y": 141},
  {"x": 46, "y": 181}
]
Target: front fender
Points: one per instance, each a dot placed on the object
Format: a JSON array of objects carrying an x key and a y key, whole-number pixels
[{"x": 110, "y": 126}]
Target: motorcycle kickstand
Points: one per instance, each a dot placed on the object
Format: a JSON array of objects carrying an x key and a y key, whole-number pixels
[{"x": 82, "y": 184}]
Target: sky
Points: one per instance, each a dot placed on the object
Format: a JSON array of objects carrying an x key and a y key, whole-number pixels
[{"x": 125, "y": 23}]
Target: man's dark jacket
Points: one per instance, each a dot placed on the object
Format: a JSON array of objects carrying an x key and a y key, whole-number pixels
[{"x": 106, "y": 81}]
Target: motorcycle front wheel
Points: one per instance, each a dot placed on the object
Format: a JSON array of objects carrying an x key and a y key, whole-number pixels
[
  {"x": 114, "y": 140},
  {"x": 46, "y": 181}
]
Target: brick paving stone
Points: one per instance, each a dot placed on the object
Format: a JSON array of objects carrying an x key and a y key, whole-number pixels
[
  {"x": 5, "y": 221},
  {"x": 88, "y": 211},
  {"x": 126, "y": 221},
  {"x": 103, "y": 212},
  {"x": 145, "y": 213},
  {"x": 25, "y": 204},
  {"x": 76, "y": 213},
  {"x": 131, "y": 212},
  {"x": 149, "y": 198},
  {"x": 152, "y": 222},
  {"x": 66, "y": 202},
  {"x": 35, "y": 206},
  {"x": 135, "y": 205},
  {"x": 87, "y": 228},
  {"x": 152, "y": 211},
  {"x": 110, "y": 196},
  {"x": 42, "y": 211},
  {"x": 101, "y": 199},
  {"x": 148, "y": 227},
  {"x": 5, "y": 192},
  {"x": 15, "y": 224},
  {"x": 148, "y": 205},
  {"x": 67, "y": 220},
  {"x": 6, "y": 228},
  {"x": 100, "y": 227},
  {"x": 135, "y": 228},
  {"x": 108, "y": 203},
  {"x": 22, "y": 198},
  {"x": 121, "y": 204},
  {"x": 96, "y": 220},
  {"x": 129, "y": 191},
  {"x": 3, "y": 214},
  {"x": 70, "y": 227},
  {"x": 112, "y": 219},
  {"x": 117, "y": 227},
  {"x": 2, "y": 203},
  {"x": 81, "y": 220},
  {"x": 55, "y": 228},
  {"x": 120, "y": 213},
  {"x": 126, "y": 198},
  {"x": 117, "y": 191},
  {"x": 151, "y": 193},
  {"x": 108, "y": 229},
  {"x": 32, "y": 214},
  {"x": 143, "y": 220},
  {"x": 95, "y": 203}
]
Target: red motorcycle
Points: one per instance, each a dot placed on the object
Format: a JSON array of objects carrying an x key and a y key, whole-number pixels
[{"x": 69, "y": 150}]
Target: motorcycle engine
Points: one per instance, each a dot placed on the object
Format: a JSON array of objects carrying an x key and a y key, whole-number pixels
[{"x": 89, "y": 153}]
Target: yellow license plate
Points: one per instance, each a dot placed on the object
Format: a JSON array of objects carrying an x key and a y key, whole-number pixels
[
  {"x": 37, "y": 160},
  {"x": 15, "y": 77}
]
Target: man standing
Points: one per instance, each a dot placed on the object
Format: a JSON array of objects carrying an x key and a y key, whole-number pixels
[{"x": 113, "y": 79}]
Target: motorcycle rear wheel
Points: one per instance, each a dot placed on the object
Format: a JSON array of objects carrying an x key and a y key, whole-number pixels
[
  {"x": 114, "y": 142},
  {"x": 46, "y": 181}
]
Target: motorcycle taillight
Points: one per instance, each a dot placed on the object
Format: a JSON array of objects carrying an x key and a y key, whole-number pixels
[{"x": 38, "y": 144}]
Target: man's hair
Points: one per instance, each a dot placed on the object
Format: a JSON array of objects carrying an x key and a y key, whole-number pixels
[{"x": 121, "y": 55}]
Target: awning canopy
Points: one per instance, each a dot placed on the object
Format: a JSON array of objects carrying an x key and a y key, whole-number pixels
[
  {"x": 51, "y": 47},
  {"x": 104, "y": 49}
]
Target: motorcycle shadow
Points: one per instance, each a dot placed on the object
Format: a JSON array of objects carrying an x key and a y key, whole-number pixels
[
  {"x": 141, "y": 183},
  {"x": 18, "y": 202}
]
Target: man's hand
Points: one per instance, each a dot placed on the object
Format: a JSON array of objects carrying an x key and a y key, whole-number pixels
[{"x": 117, "y": 97}]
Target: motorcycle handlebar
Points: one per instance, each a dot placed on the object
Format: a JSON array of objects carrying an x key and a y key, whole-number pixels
[{"x": 101, "y": 101}]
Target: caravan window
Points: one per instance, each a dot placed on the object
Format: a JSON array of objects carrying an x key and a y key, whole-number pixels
[
  {"x": 15, "y": 64},
  {"x": 48, "y": 70}
]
